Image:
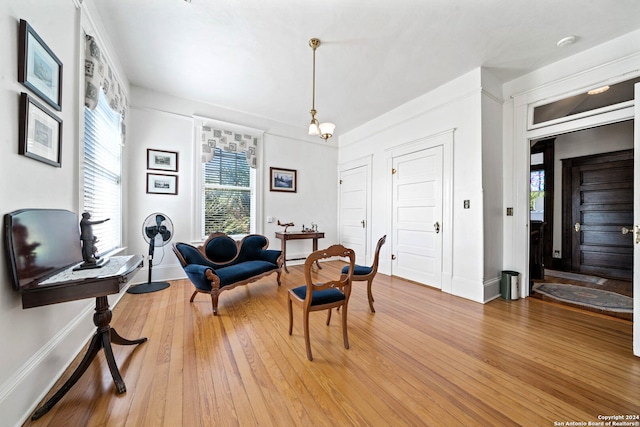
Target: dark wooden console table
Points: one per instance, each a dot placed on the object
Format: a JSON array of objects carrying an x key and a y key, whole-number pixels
[
  {"x": 295, "y": 235},
  {"x": 98, "y": 286},
  {"x": 43, "y": 253}
]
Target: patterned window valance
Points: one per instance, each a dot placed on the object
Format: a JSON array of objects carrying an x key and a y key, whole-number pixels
[
  {"x": 228, "y": 141},
  {"x": 99, "y": 74}
]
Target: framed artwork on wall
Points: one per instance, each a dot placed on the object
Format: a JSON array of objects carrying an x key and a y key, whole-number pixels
[
  {"x": 40, "y": 132},
  {"x": 39, "y": 68},
  {"x": 283, "y": 180},
  {"x": 162, "y": 160},
  {"x": 162, "y": 184}
]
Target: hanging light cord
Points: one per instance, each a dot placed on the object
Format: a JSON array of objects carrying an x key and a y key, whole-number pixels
[{"x": 313, "y": 86}]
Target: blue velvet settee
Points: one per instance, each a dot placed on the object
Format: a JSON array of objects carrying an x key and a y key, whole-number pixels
[{"x": 223, "y": 263}]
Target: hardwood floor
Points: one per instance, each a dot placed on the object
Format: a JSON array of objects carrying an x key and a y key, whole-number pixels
[{"x": 424, "y": 358}]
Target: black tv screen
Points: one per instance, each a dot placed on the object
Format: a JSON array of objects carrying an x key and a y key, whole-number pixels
[{"x": 40, "y": 243}]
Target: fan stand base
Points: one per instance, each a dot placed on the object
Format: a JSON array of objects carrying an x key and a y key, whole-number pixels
[{"x": 146, "y": 288}]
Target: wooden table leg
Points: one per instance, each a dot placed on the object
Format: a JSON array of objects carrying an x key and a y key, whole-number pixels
[
  {"x": 102, "y": 339},
  {"x": 284, "y": 254},
  {"x": 315, "y": 248}
]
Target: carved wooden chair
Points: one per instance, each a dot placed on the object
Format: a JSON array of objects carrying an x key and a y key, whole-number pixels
[
  {"x": 323, "y": 296},
  {"x": 364, "y": 273}
]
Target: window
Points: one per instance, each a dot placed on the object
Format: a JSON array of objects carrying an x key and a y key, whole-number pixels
[
  {"x": 102, "y": 173},
  {"x": 228, "y": 194},
  {"x": 605, "y": 96},
  {"x": 536, "y": 199}
]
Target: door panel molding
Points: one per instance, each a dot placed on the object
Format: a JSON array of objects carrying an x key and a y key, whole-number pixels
[
  {"x": 364, "y": 255},
  {"x": 598, "y": 205},
  {"x": 446, "y": 140}
]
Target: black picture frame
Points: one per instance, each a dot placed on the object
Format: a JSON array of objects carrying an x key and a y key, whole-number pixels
[
  {"x": 40, "y": 132},
  {"x": 285, "y": 180},
  {"x": 162, "y": 160},
  {"x": 158, "y": 183},
  {"x": 39, "y": 69}
]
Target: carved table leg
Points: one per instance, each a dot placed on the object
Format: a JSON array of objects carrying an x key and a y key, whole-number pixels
[
  {"x": 315, "y": 248},
  {"x": 284, "y": 254},
  {"x": 103, "y": 338}
]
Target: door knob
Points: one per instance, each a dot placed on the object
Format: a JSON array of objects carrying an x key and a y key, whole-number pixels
[
  {"x": 393, "y": 257},
  {"x": 577, "y": 226},
  {"x": 627, "y": 230},
  {"x": 362, "y": 222},
  {"x": 436, "y": 227}
]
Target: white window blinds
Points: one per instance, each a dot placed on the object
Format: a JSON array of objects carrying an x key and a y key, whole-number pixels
[
  {"x": 102, "y": 173},
  {"x": 228, "y": 203}
]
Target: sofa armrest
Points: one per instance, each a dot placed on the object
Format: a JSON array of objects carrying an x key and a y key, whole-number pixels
[
  {"x": 200, "y": 276},
  {"x": 270, "y": 255}
]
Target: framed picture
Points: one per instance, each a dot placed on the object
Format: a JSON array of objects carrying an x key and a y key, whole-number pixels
[
  {"x": 162, "y": 160},
  {"x": 38, "y": 68},
  {"x": 283, "y": 180},
  {"x": 162, "y": 184},
  {"x": 40, "y": 134}
]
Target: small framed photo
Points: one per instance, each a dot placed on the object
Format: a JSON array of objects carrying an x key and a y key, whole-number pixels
[
  {"x": 38, "y": 68},
  {"x": 162, "y": 160},
  {"x": 162, "y": 184},
  {"x": 283, "y": 180},
  {"x": 40, "y": 133}
]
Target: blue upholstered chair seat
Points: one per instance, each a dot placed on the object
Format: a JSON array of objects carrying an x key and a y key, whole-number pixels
[
  {"x": 358, "y": 270},
  {"x": 319, "y": 297},
  {"x": 362, "y": 273}
]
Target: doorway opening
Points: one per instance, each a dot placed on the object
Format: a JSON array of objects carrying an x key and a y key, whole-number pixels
[{"x": 581, "y": 202}]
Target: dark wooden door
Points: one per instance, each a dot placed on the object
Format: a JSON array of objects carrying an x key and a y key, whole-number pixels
[
  {"x": 601, "y": 205},
  {"x": 546, "y": 147}
]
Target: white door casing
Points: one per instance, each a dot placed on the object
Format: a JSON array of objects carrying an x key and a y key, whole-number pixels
[{"x": 636, "y": 222}]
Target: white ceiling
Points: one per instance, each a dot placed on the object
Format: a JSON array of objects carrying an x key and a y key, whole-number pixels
[{"x": 253, "y": 56}]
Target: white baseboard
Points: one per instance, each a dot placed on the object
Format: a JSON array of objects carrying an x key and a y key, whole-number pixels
[
  {"x": 24, "y": 390},
  {"x": 491, "y": 289}
]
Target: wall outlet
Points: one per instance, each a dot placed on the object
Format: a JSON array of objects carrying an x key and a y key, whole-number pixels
[
  {"x": 509, "y": 211},
  {"x": 269, "y": 219},
  {"x": 467, "y": 204},
  {"x": 556, "y": 254}
]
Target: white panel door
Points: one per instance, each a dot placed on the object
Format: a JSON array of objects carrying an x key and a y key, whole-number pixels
[
  {"x": 417, "y": 216},
  {"x": 353, "y": 211},
  {"x": 636, "y": 221}
]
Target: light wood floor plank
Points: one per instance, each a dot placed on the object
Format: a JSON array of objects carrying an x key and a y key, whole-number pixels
[{"x": 424, "y": 358}]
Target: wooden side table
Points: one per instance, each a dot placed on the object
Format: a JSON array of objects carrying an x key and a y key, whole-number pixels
[
  {"x": 296, "y": 235},
  {"x": 99, "y": 287}
]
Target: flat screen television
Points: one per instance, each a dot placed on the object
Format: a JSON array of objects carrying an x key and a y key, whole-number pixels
[{"x": 39, "y": 244}]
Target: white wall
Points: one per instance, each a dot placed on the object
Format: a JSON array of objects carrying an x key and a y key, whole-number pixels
[
  {"x": 492, "y": 178},
  {"x": 456, "y": 105},
  {"x": 39, "y": 342},
  {"x": 163, "y": 122},
  {"x": 610, "y": 62}
]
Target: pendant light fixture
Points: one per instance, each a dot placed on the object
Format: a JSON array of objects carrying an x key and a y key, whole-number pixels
[{"x": 323, "y": 130}]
